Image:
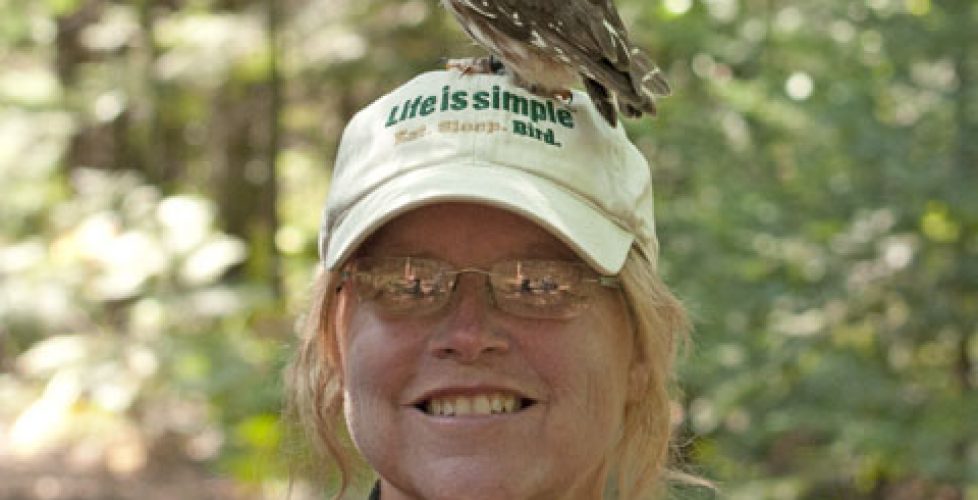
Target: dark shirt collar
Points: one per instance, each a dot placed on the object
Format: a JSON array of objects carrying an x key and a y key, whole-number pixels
[{"x": 375, "y": 491}]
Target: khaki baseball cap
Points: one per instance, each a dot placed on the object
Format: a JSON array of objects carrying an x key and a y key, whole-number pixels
[{"x": 451, "y": 137}]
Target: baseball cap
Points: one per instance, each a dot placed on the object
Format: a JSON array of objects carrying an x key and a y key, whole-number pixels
[{"x": 446, "y": 136}]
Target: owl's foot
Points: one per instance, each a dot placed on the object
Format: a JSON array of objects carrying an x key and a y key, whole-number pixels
[
  {"x": 496, "y": 65},
  {"x": 566, "y": 97},
  {"x": 476, "y": 65},
  {"x": 563, "y": 96}
]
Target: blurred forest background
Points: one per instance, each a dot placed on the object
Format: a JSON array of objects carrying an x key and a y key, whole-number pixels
[{"x": 163, "y": 166}]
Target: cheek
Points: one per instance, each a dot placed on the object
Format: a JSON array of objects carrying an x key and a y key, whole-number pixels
[
  {"x": 361, "y": 340},
  {"x": 379, "y": 359},
  {"x": 585, "y": 411},
  {"x": 586, "y": 366},
  {"x": 373, "y": 359},
  {"x": 376, "y": 369}
]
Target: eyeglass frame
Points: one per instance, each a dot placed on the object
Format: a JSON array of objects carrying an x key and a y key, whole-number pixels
[{"x": 611, "y": 282}]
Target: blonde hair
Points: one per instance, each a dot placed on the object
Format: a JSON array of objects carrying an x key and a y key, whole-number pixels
[{"x": 641, "y": 467}]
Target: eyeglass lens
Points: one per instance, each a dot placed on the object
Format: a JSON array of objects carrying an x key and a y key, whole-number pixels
[{"x": 528, "y": 288}]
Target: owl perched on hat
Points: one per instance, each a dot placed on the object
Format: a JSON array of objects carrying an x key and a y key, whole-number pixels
[{"x": 547, "y": 46}]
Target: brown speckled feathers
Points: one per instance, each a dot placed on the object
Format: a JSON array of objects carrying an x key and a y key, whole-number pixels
[{"x": 548, "y": 44}]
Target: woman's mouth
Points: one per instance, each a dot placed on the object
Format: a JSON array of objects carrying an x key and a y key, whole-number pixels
[{"x": 474, "y": 404}]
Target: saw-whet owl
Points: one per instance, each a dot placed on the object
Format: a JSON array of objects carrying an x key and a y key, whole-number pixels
[{"x": 549, "y": 45}]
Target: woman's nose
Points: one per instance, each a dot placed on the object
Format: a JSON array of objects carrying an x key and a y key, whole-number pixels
[{"x": 467, "y": 332}]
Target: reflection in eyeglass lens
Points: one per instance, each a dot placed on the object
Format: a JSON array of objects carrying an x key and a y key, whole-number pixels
[{"x": 530, "y": 288}]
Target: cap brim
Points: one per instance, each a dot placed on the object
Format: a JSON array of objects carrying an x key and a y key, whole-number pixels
[{"x": 601, "y": 243}]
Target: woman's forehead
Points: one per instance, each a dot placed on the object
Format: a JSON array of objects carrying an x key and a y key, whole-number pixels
[{"x": 465, "y": 231}]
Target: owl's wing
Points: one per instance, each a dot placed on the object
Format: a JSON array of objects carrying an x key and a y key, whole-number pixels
[{"x": 589, "y": 35}]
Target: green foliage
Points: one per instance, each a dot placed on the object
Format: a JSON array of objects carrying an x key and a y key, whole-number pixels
[{"x": 161, "y": 178}]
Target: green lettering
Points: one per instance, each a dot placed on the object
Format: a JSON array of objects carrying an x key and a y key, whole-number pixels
[
  {"x": 460, "y": 100},
  {"x": 428, "y": 106},
  {"x": 538, "y": 111},
  {"x": 392, "y": 120},
  {"x": 565, "y": 118},
  {"x": 481, "y": 101},
  {"x": 537, "y": 133},
  {"x": 405, "y": 110},
  {"x": 444, "y": 98},
  {"x": 550, "y": 138},
  {"x": 519, "y": 128},
  {"x": 516, "y": 104},
  {"x": 414, "y": 107}
]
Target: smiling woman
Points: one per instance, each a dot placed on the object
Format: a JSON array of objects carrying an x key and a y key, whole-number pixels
[{"x": 488, "y": 319}]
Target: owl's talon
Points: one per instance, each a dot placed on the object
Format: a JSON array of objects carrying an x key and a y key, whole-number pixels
[
  {"x": 496, "y": 65},
  {"x": 472, "y": 65},
  {"x": 566, "y": 97}
]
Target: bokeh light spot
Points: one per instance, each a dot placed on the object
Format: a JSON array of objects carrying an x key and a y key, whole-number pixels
[
  {"x": 678, "y": 7},
  {"x": 799, "y": 86},
  {"x": 918, "y": 7}
]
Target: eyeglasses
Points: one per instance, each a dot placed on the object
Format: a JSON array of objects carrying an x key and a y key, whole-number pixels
[{"x": 415, "y": 287}]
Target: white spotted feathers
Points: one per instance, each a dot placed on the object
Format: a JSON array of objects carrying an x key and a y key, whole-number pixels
[{"x": 550, "y": 45}]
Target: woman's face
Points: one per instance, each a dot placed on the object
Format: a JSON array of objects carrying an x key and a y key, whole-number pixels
[{"x": 574, "y": 371}]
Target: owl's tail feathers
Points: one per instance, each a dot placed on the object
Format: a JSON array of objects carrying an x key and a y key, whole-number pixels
[
  {"x": 633, "y": 90},
  {"x": 603, "y": 100},
  {"x": 648, "y": 83},
  {"x": 647, "y": 77}
]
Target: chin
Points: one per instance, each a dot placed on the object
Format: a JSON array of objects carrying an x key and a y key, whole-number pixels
[{"x": 468, "y": 479}]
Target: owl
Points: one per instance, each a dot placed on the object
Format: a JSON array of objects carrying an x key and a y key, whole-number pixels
[{"x": 548, "y": 46}]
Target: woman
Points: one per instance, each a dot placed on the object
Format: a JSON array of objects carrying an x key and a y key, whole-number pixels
[{"x": 488, "y": 320}]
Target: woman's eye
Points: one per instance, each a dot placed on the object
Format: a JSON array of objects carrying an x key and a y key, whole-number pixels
[
  {"x": 415, "y": 288},
  {"x": 541, "y": 285}
]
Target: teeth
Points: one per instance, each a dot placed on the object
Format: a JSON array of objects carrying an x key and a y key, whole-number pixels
[
  {"x": 509, "y": 405},
  {"x": 483, "y": 404},
  {"x": 463, "y": 406}
]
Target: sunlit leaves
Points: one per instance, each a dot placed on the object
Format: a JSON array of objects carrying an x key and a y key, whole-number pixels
[
  {"x": 809, "y": 232},
  {"x": 62, "y": 7},
  {"x": 938, "y": 225}
]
